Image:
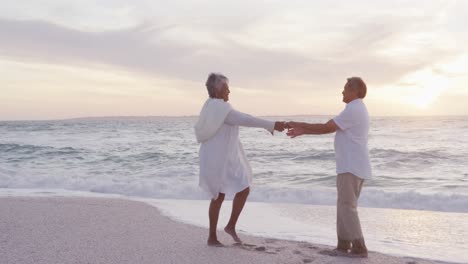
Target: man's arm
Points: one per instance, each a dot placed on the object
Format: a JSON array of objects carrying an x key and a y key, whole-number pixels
[{"x": 300, "y": 128}]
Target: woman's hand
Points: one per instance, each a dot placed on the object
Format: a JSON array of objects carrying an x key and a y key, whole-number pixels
[{"x": 279, "y": 126}]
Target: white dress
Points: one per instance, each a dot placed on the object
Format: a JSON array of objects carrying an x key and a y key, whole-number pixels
[{"x": 223, "y": 165}]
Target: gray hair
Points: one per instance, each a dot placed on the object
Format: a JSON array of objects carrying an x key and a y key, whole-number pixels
[
  {"x": 214, "y": 82},
  {"x": 359, "y": 85}
]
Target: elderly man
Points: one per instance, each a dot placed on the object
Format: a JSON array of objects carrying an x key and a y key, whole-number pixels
[{"x": 352, "y": 164}]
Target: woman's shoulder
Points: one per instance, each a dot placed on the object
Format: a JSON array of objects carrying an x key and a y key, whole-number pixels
[{"x": 217, "y": 101}]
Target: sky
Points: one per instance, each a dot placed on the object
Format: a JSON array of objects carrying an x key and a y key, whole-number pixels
[{"x": 65, "y": 59}]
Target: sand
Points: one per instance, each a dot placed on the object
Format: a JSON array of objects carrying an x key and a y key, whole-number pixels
[{"x": 48, "y": 230}]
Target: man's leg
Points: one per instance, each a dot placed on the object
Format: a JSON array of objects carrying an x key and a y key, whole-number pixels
[
  {"x": 213, "y": 214},
  {"x": 237, "y": 206},
  {"x": 348, "y": 225}
]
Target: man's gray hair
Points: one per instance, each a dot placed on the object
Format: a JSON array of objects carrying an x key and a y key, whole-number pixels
[
  {"x": 214, "y": 82},
  {"x": 359, "y": 85}
]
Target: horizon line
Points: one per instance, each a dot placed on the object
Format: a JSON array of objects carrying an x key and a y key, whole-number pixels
[{"x": 192, "y": 116}]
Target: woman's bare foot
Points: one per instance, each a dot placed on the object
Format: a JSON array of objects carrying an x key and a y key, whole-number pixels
[
  {"x": 232, "y": 232},
  {"x": 213, "y": 242}
]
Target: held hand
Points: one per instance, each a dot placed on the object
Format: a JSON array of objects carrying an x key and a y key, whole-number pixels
[
  {"x": 291, "y": 124},
  {"x": 279, "y": 126},
  {"x": 295, "y": 132}
]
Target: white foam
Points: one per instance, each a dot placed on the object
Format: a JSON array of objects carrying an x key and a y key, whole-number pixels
[{"x": 180, "y": 188}]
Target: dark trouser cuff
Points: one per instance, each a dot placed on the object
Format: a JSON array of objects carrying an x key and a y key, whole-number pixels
[
  {"x": 343, "y": 244},
  {"x": 359, "y": 246}
]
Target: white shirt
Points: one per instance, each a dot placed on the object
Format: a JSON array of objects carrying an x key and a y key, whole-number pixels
[
  {"x": 351, "y": 151},
  {"x": 223, "y": 165}
]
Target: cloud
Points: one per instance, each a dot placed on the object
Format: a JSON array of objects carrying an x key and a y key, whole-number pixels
[
  {"x": 286, "y": 52},
  {"x": 144, "y": 48},
  {"x": 370, "y": 45}
]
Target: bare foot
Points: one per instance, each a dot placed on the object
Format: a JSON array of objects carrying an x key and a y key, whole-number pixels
[
  {"x": 213, "y": 242},
  {"x": 358, "y": 253},
  {"x": 233, "y": 234},
  {"x": 344, "y": 253}
]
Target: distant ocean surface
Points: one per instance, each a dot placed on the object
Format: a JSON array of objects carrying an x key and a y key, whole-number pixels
[{"x": 418, "y": 162}]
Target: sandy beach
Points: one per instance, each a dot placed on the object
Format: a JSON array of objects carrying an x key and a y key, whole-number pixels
[{"x": 102, "y": 230}]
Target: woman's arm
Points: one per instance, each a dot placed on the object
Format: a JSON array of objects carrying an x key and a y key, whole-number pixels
[{"x": 236, "y": 118}]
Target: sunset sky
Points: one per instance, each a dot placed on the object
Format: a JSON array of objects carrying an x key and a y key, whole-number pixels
[{"x": 65, "y": 59}]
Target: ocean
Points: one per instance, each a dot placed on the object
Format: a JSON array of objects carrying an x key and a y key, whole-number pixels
[{"x": 419, "y": 164}]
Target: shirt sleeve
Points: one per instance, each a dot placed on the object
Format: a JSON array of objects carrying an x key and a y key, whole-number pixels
[
  {"x": 346, "y": 119},
  {"x": 236, "y": 118}
]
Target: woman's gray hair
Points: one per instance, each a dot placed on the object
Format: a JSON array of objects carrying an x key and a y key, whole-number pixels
[{"x": 214, "y": 82}]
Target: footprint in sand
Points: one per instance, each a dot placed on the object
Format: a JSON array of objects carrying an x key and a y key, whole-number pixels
[
  {"x": 261, "y": 248},
  {"x": 253, "y": 247},
  {"x": 249, "y": 245},
  {"x": 307, "y": 245}
]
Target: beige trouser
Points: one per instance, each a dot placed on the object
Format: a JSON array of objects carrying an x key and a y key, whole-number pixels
[{"x": 349, "y": 187}]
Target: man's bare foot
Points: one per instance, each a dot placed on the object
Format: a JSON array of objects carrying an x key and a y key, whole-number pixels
[
  {"x": 344, "y": 253},
  {"x": 213, "y": 242},
  {"x": 232, "y": 232},
  {"x": 361, "y": 253}
]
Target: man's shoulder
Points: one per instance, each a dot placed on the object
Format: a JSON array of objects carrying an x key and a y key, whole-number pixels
[
  {"x": 356, "y": 106},
  {"x": 356, "y": 103}
]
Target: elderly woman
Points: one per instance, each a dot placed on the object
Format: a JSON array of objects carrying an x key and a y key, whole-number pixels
[{"x": 224, "y": 168}]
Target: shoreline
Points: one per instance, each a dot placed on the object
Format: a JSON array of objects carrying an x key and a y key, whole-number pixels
[{"x": 118, "y": 230}]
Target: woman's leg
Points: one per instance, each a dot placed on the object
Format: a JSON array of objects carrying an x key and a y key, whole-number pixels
[
  {"x": 237, "y": 206},
  {"x": 213, "y": 214}
]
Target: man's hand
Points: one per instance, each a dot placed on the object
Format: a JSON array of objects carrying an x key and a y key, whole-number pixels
[
  {"x": 292, "y": 124},
  {"x": 279, "y": 126},
  {"x": 297, "y": 128},
  {"x": 295, "y": 131}
]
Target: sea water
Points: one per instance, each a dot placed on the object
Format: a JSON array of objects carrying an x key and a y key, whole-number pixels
[{"x": 419, "y": 163}]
